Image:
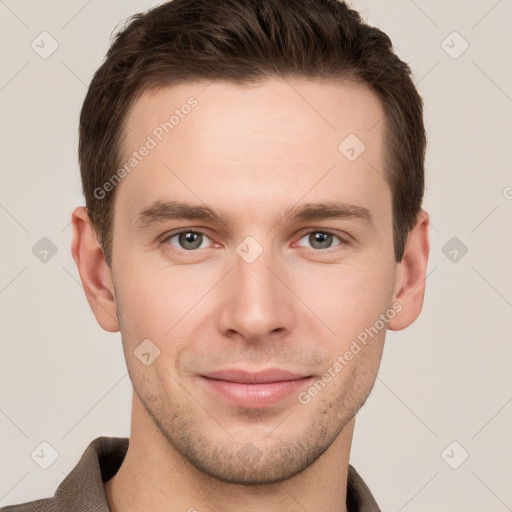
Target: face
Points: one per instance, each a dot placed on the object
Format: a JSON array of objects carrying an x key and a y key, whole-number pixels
[{"x": 245, "y": 239}]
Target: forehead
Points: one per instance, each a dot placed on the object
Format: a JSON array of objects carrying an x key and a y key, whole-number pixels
[
  {"x": 325, "y": 109},
  {"x": 290, "y": 138}
]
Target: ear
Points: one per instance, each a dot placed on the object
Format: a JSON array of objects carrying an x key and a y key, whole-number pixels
[
  {"x": 411, "y": 275},
  {"x": 94, "y": 271}
]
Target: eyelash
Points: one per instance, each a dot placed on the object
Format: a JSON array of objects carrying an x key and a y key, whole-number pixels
[{"x": 167, "y": 238}]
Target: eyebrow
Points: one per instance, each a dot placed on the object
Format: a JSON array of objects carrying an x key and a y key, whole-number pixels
[{"x": 161, "y": 211}]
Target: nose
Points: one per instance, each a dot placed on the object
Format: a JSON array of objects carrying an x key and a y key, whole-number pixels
[{"x": 256, "y": 303}]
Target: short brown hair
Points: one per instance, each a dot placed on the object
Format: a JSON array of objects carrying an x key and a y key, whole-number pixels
[{"x": 246, "y": 41}]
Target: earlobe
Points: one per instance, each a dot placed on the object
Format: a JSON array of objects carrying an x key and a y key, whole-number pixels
[
  {"x": 94, "y": 271},
  {"x": 411, "y": 275}
]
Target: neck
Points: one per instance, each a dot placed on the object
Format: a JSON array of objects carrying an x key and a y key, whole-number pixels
[{"x": 154, "y": 476}]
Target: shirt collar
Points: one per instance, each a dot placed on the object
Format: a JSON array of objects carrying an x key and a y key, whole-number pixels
[{"x": 83, "y": 488}]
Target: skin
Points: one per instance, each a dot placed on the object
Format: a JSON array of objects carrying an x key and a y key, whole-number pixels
[{"x": 250, "y": 152}]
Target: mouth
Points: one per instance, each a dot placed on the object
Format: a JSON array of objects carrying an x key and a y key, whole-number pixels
[{"x": 254, "y": 390}]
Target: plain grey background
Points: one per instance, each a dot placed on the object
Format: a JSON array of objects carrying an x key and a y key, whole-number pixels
[{"x": 435, "y": 432}]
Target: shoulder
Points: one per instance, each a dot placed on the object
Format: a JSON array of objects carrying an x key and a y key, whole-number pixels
[
  {"x": 44, "y": 505},
  {"x": 83, "y": 487}
]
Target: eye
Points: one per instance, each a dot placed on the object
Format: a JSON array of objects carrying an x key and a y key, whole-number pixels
[
  {"x": 187, "y": 240},
  {"x": 320, "y": 239},
  {"x": 190, "y": 240}
]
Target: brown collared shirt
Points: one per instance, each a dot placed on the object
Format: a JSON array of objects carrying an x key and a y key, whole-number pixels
[{"x": 83, "y": 489}]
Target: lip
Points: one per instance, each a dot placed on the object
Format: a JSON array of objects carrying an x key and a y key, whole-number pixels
[
  {"x": 254, "y": 389},
  {"x": 261, "y": 377}
]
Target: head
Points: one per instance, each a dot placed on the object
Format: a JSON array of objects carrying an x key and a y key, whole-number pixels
[{"x": 287, "y": 140}]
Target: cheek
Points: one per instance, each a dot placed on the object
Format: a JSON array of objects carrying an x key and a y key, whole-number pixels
[
  {"x": 160, "y": 302},
  {"x": 347, "y": 298}
]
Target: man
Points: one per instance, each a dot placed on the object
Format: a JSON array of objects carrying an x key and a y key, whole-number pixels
[{"x": 253, "y": 172}]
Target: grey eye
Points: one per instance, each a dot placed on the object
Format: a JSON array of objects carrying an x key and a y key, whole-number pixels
[
  {"x": 320, "y": 239},
  {"x": 188, "y": 240}
]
